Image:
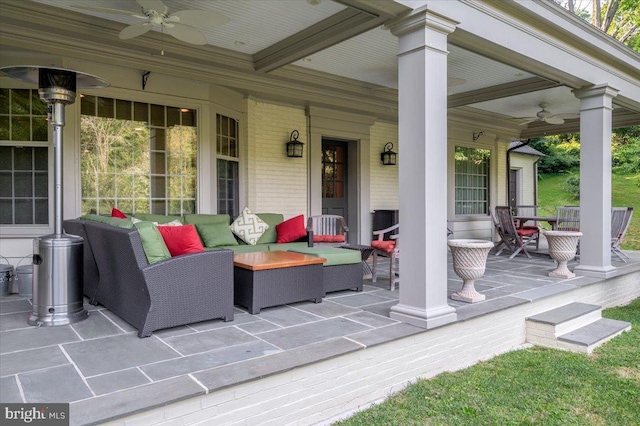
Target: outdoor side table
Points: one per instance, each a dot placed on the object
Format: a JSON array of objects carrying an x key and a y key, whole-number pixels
[{"x": 365, "y": 253}]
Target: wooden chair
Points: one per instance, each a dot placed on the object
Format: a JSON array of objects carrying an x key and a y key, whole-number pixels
[
  {"x": 527, "y": 211},
  {"x": 620, "y": 219},
  {"x": 513, "y": 238},
  {"x": 387, "y": 248},
  {"x": 568, "y": 218},
  {"x": 327, "y": 230}
]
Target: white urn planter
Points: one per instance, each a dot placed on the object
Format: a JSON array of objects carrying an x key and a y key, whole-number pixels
[
  {"x": 562, "y": 249},
  {"x": 469, "y": 263}
]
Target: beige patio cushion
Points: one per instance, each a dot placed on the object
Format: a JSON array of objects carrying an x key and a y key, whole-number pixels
[{"x": 249, "y": 227}]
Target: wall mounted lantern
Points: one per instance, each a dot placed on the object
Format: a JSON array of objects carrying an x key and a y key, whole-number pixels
[
  {"x": 294, "y": 146},
  {"x": 388, "y": 157}
]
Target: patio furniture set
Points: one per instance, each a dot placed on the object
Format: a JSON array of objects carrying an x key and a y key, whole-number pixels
[
  {"x": 515, "y": 233},
  {"x": 155, "y": 274}
]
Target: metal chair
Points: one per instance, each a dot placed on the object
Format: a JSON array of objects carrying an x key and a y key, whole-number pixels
[
  {"x": 513, "y": 239},
  {"x": 327, "y": 230},
  {"x": 620, "y": 219},
  {"x": 387, "y": 248}
]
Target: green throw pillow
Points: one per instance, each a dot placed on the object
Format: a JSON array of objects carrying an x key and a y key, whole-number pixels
[
  {"x": 152, "y": 242},
  {"x": 216, "y": 234},
  {"x": 201, "y": 218},
  {"x": 272, "y": 219},
  {"x": 159, "y": 218},
  {"x": 113, "y": 221}
]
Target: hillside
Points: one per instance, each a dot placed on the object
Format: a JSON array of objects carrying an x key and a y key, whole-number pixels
[{"x": 625, "y": 192}]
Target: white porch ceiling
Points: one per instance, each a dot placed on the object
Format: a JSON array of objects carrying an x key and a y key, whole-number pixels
[{"x": 263, "y": 29}]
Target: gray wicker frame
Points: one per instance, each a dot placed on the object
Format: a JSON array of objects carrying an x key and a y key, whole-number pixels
[
  {"x": 342, "y": 277},
  {"x": 90, "y": 269},
  {"x": 273, "y": 287},
  {"x": 177, "y": 291}
]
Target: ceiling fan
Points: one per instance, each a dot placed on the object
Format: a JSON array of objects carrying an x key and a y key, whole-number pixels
[
  {"x": 546, "y": 116},
  {"x": 180, "y": 24}
]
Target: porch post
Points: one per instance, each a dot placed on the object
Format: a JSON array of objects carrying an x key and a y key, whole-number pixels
[
  {"x": 422, "y": 123},
  {"x": 595, "y": 181}
]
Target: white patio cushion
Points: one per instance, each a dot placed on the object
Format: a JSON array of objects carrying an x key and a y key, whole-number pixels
[{"x": 249, "y": 227}]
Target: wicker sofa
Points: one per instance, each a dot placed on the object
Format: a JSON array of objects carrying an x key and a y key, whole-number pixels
[{"x": 180, "y": 290}]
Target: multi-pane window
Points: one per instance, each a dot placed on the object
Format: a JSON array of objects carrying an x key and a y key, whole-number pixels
[
  {"x": 227, "y": 165},
  {"x": 137, "y": 157},
  {"x": 472, "y": 181},
  {"x": 24, "y": 171}
]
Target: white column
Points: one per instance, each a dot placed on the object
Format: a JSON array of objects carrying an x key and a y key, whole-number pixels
[
  {"x": 422, "y": 119},
  {"x": 595, "y": 181}
]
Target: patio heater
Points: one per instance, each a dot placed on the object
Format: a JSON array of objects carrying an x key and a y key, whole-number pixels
[{"x": 57, "y": 258}]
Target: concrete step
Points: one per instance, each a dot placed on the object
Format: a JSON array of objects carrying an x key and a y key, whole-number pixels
[
  {"x": 578, "y": 327},
  {"x": 587, "y": 338},
  {"x": 564, "y": 319}
]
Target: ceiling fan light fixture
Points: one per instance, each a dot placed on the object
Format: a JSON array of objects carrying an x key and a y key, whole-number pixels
[{"x": 180, "y": 24}]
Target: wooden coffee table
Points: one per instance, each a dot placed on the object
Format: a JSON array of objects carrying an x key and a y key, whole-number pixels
[{"x": 273, "y": 278}]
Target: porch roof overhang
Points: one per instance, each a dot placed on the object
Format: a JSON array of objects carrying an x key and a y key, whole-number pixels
[{"x": 505, "y": 57}]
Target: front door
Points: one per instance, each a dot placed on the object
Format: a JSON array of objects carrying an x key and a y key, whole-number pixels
[{"x": 334, "y": 177}]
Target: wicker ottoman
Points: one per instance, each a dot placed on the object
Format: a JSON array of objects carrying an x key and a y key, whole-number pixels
[
  {"x": 275, "y": 278},
  {"x": 341, "y": 271}
]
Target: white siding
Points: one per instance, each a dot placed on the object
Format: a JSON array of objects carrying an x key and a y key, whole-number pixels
[
  {"x": 276, "y": 183},
  {"x": 384, "y": 179}
]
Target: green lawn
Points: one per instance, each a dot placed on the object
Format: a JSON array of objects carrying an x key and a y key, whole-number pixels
[
  {"x": 625, "y": 192},
  {"x": 535, "y": 386}
]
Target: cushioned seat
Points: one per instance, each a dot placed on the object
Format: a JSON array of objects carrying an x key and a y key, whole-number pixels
[{"x": 341, "y": 271}]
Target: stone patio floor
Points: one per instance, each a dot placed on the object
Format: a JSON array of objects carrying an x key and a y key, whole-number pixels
[{"x": 105, "y": 371}]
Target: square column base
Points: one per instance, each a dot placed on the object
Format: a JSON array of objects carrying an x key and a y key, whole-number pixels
[
  {"x": 596, "y": 271},
  {"x": 425, "y": 318}
]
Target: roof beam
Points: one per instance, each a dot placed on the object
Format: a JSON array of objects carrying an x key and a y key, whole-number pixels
[
  {"x": 339, "y": 27},
  {"x": 528, "y": 85}
]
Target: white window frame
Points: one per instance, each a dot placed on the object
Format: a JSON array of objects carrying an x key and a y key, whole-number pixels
[{"x": 34, "y": 230}]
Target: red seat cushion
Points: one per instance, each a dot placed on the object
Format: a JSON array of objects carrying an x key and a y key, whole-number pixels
[
  {"x": 117, "y": 213},
  {"x": 527, "y": 232},
  {"x": 181, "y": 239},
  {"x": 385, "y": 246},
  {"x": 328, "y": 239},
  {"x": 291, "y": 230}
]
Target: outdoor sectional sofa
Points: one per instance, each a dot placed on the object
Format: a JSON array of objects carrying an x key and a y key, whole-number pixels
[
  {"x": 187, "y": 288},
  {"x": 180, "y": 290},
  {"x": 203, "y": 222}
]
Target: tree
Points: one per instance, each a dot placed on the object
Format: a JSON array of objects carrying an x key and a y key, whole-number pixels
[{"x": 618, "y": 18}]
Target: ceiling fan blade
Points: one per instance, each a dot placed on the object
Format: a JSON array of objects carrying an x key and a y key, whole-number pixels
[
  {"x": 156, "y": 5},
  {"x": 200, "y": 18},
  {"x": 567, "y": 116},
  {"x": 186, "y": 33},
  {"x": 553, "y": 120},
  {"x": 134, "y": 31},
  {"x": 105, "y": 10}
]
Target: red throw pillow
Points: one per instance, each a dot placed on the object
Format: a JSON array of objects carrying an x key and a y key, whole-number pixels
[
  {"x": 181, "y": 239},
  {"x": 291, "y": 230},
  {"x": 117, "y": 213}
]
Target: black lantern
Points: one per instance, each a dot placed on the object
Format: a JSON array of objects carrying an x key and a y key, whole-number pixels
[
  {"x": 294, "y": 146},
  {"x": 388, "y": 157}
]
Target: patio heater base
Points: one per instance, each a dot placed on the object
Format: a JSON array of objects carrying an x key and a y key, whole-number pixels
[{"x": 57, "y": 280}]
